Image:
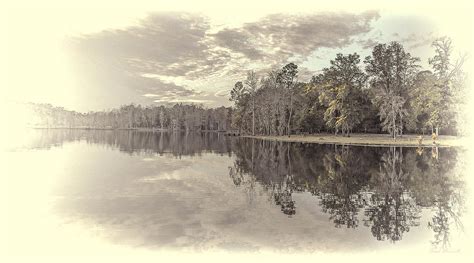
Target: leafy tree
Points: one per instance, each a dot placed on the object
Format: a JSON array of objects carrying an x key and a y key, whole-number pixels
[
  {"x": 252, "y": 85},
  {"x": 397, "y": 98},
  {"x": 447, "y": 82},
  {"x": 391, "y": 71},
  {"x": 425, "y": 101},
  {"x": 239, "y": 95},
  {"x": 287, "y": 77},
  {"x": 341, "y": 92},
  {"x": 391, "y": 110},
  {"x": 309, "y": 116}
]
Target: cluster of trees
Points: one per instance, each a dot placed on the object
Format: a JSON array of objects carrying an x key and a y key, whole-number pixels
[
  {"x": 383, "y": 189},
  {"x": 391, "y": 95},
  {"x": 177, "y": 117}
]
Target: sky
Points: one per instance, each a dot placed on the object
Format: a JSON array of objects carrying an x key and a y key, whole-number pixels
[{"x": 99, "y": 58}]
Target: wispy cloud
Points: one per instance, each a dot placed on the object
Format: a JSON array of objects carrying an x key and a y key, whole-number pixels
[
  {"x": 276, "y": 38},
  {"x": 196, "y": 101},
  {"x": 175, "y": 55},
  {"x": 418, "y": 40}
]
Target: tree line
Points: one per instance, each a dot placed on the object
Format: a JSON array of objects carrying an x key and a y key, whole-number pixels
[
  {"x": 387, "y": 92},
  {"x": 178, "y": 117}
]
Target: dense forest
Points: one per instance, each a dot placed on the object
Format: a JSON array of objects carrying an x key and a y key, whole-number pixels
[
  {"x": 178, "y": 117},
  {"x": 393, "y": 94},
  {"x": 387, "y": 92}
]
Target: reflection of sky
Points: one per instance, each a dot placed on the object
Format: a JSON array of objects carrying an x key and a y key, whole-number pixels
[{"x": 164, "y": 202}]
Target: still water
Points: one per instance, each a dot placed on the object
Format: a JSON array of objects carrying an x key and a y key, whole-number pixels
[{"x": 205, "y": 191}]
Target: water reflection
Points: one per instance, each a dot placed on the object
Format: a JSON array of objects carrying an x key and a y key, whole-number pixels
[
  {"x": 137, "y": 142},
  {"x": 383, "y": 190},
  {"x": 383, "y": 187}
]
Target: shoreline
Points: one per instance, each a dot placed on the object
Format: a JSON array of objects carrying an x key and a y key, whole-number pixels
[
  {"x": 121, "y": 129},
  {"x": 357, "y": 139},
  {"x": 362, "y": 139}
]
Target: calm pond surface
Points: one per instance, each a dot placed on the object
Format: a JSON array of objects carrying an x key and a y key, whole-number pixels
[{"x": 207, "y": 191}]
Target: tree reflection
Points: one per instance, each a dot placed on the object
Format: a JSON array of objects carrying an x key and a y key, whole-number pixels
[
  {"x": 138, "y": 142},
  {"x": 446, "y": 215},
  {"x": 385, "y": 188},
  {"x": 281, "y": 194},
  {"x": 438, "y": 185},
  {"x": 341, "y": 184},
  {"x": 448, "y": 205},
  {"x": 392, "y": 210}
]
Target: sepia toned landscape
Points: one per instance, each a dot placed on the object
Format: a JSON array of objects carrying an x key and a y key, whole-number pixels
[{"x": 168, "y": 131}]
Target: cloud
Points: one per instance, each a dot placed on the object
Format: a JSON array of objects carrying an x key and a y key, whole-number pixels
[
  {"x": 368, "y": 43},
  {"x": 195, "y": 101},
  {"x": 239, "y": 41},
  {"x": 167, "y": 43},
  {"x": 110, "y": 63},
  {"x": 148, "y": 95},
  {"x": 418, "y": 40},
  {"x": 175, "y": 55},
  {"x": 304, "y": 74},
  {"x": 222, "y": 93},
  {"x": 279, "y": 37}
]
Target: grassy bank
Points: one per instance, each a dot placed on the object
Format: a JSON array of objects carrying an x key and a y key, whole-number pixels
[{"x": 370, "y": 140}]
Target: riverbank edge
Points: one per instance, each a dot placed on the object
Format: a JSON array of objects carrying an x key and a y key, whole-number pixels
[
  {"x": 375, "y": 140},
  {"x": 119, "y": 129},
  {"x": 357, "y": 139}
]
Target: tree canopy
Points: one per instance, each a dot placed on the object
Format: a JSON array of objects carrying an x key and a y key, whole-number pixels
[{"x": 388, "y": 92}]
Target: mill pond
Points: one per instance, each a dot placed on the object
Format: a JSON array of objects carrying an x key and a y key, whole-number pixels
[{"x": 200, "y": 191}]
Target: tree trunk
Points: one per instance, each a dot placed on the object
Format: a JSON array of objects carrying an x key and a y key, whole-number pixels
[
  {"x": 401, "y": 125},
  {"x": 291, "y": 113},
  {"x": 394, "y": 127},
  {"x": 253, "y": 149},
  {"x": 253, "y": 117},
  {"x": 289, "y": 128}
]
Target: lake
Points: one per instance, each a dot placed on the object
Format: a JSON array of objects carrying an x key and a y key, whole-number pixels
[{"x": 206, "y": 191}]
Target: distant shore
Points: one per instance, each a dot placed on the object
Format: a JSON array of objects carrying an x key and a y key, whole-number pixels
[
  {"x": 100, "y": 128},
  {"x": 370, "y": 140},
  {"x": 367, "y": 139},
  {"x": 122, "y": 129}
]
